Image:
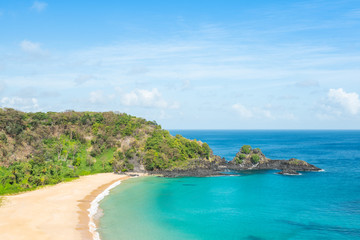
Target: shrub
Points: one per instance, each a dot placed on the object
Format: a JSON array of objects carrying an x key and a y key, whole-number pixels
[
  {"x": 77, "y": 162},
  {"x": 130, "y": 153},
  {"x": 89, "y": 161},
  {"x": 3, "y": 137},
  {"x": 238, "y": 160},
  {"x": 242, "y": 156},
  {"x": 255, "y": 158},
  {"x": 121, "y": 155},
  {"x": 130, "y": 166},
  {"x": 295, "y": 161},
  {"x": 246, "y": 149},
  {"x": 206, "y": 150},
  {"x": 149, "y": 165},
  {"x": 93, "y": 153}
]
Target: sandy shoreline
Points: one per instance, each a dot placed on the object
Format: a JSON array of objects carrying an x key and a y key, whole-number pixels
[{"x": 54, "y": 212}]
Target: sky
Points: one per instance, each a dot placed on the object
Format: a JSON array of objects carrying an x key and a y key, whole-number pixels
[{"x": 186, "y": 64}]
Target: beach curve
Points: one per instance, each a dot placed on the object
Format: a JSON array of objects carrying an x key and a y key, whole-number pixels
[{"x": 54, "y": 212}]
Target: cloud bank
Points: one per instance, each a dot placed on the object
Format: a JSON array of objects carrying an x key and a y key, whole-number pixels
[
  {"x": 146, "y": 98},
  {"x": 347, "y": 102},
  {"x": 24, "y": 104}
]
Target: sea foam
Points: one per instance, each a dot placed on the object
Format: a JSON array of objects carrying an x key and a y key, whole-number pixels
[{"x": 94, "y": 206}]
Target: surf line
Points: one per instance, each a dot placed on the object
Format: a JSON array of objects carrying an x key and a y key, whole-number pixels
[{"x": 94, "y": 207}]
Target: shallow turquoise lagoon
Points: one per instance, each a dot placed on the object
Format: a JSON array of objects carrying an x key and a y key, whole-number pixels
[{"x": 251, "y": 205}]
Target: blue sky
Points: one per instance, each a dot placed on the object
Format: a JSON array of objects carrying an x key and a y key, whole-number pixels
[{"x": 186, "y": 64}]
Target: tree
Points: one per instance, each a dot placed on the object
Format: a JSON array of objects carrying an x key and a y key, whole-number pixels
[
  {"x": 246, "y": 149},
  {"x": 255, "y": 158}
]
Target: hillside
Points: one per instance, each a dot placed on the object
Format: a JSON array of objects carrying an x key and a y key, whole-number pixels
[{"x": 46, "y": 148}]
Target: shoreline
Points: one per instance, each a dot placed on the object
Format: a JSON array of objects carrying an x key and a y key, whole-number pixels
[
  {"x": 54, "y": 212},
  {"x": 86, "y": 220}
]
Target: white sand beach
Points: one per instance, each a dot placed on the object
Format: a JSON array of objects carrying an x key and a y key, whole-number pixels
[{"x": 53, "y": 212}]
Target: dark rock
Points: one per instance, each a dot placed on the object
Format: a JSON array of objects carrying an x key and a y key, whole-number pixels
[
  {"x": 216, "y": 167},
  {"x": 189, "y": 173},
  {"x": 290, "y": 166},
  {"x": 289, "y": 172}
]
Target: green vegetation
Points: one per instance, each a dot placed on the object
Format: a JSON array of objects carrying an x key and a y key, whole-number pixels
[
  {"x": 240, "y": 158},
  {"x": 121, "y": 160},
  {"x": 38, "y": 149},
  {"x": 255, "y": 158},
  {"x": 295, "y": 161},
  {"x": 247, "y": 155},
  {"x": 246, "y": 149},
  {"x": 166, "y": 152}
]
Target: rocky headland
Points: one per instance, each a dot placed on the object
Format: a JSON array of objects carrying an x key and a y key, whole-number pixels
[
  {"x": 246, "y": 159},
  {"x": 38, "y": 149}
]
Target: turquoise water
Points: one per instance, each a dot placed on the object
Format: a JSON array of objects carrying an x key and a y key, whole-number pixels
[{"x": 253, "y": 205}]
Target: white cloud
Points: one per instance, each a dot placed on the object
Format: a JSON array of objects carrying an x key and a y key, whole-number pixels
[
  {"x": 348, "y": 102},
  {"x": 39, "y": 6},
  {"x": 24, "y": 104},
  {"x": 30, "y": 47},
  {"x": 146, "y": 98},
  {"x": 242, "y": 110},
  {"x": 163, "y": 115},
  {"x": 97, "y": 97},
  {"x": 188, "y": 61},
  {"x": 254, "y": 112},
  {"x": 266, "y": 112}
]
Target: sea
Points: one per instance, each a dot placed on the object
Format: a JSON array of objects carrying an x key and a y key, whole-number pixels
[{"x": 249, "y": 205}]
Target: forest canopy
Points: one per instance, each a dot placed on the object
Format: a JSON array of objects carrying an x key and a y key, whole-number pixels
[{"x": 46, "y": 148}]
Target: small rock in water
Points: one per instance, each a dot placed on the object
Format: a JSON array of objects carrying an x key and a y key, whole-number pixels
[{"x": 289, "y": 172}]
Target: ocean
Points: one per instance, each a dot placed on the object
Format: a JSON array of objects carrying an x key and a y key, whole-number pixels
[{"x": 252, "y": 205}]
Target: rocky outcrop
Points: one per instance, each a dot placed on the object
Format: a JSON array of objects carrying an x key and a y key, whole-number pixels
[
  {"x": 197, "y": 168},
  {"x": 246, "y": 159},
  {"x": 201, "y": 172},
  {"x": 254, "y": 159},
  {"x": 286, "y": 166},
  {"x": 289, "y": 172}
]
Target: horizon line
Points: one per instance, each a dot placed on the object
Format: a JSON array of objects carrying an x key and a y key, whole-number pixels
[{"x": 267, "y": 129}]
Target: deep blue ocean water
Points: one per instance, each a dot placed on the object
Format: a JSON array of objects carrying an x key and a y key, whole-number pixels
[{"x": 253, "y": 205}]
